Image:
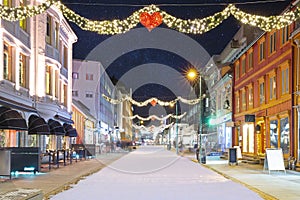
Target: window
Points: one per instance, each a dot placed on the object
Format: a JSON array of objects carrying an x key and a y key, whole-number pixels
[
  {"x": 48, "y": 30},
  {"x": 57, "y": 88},
  {"x": 285, "y": 135},
  {"x": 89, "y": 94},
  {"x": 250, "y": 60},
  {"x": 89, "y": 77},
  {"x": 237, "y": 100},
  {"x": 56, "y": 35},
  {"x": 48, "y": 81},
  {"x": 262, "y": 51},
  {"x": 75, "y": 75},
  {"x": 262, "y": 93},
  {"x": 22, "y": 70},
  {"x": 274, "y": 134},
  {"x": 285, "y": 35},
  {"x": 23, "y": 22},
  {"x": 65, "y": 61},
  {"x": 7, "y": 69},
  {"x": 272, "y": 42},
  {"x": 250, "y": 97},
  {"x": 243, "y": 70},
  {"x": 272, "y": 88},
  {"x": 75, "y": 93},
  {"x": 65, "y": 95},
  {"x": 243, "y": 100},
  {"x": 237, "y": 70},
  {"x": 285, "y": 81}
]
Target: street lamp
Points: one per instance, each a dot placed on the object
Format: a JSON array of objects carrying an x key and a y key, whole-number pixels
[
  {"x": 176, "y": 114},
  {"x": 194, "y": 76}
]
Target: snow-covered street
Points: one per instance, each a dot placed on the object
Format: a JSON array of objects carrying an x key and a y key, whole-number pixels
[{"x": 151, "y": 172}]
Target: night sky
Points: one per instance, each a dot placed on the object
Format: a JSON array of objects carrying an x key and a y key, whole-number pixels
[{"x": 213, "y": 41}]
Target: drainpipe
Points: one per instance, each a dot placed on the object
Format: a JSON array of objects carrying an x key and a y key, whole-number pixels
[{"x": 295, "y": 94}]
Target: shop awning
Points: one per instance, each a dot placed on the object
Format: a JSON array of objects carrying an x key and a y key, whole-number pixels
[
  {"x": 64, "y": 119},
  {"x": 37, "y": 126},
  {"x": 11, "y": 119},
  {"x": 70, "y": 131},
  {"x": 55, "y": 127}
]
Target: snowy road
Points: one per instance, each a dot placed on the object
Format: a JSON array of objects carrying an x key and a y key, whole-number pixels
[{"x": 152, "y": 173}]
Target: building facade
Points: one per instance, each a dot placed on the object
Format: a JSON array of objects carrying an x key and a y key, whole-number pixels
[{"x": 35, "y": 74}]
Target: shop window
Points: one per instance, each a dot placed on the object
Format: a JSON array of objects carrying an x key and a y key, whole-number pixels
[
  {"x": 284, "y": 135},
  {"x": 274, "y": 134}
]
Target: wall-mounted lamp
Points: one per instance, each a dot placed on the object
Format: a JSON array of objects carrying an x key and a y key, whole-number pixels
[{"x": 258, "y": 128}]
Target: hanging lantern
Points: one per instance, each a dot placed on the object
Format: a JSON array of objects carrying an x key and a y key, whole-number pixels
[{"x": 150, "y": 21}]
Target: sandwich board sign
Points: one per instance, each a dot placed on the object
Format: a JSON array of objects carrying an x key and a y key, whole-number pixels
[{"x": 274, "y": 160}]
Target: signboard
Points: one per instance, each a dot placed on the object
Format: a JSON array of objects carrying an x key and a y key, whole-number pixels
[
  {"x": 249, "y": 118},
  {"x": 274, "y": 160}
]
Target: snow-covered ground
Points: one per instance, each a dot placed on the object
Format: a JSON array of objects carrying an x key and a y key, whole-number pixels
[{"x": 153, "y": 173}]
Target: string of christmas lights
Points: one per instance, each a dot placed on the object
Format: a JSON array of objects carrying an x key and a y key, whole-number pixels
[
  {"x": 117, "y": 26},
  {"x": 23, "y": 12},
  {"x": 152, "y": 101},
  {"x": 153, "y": 128},
  {"x": 152, "y": 117}
]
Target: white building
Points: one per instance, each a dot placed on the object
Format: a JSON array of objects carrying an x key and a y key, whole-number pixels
[
  {"x": 36, "y": 73},
  {"x": 90, "y": 81}
]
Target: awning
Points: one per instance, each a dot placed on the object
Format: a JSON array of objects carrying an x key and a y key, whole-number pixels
[
  {"x": 64, "y": 119},
  {"x": 11, "y": 119},
  {"x": 37, "y": 126},
  {"x": 70, "y": 131},
  {"x": 55, "y": 127}
]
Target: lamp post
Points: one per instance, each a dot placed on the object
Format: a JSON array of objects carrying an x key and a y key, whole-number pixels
[
  {"x": 176, "y": 111},
  {"x": 193, "y": 75}
]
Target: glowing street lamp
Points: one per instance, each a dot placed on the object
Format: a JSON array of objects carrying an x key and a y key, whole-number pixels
[{"x": 193, "y": 75}]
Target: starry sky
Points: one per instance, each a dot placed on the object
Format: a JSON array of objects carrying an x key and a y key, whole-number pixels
[{"x": 213, "y": 41}]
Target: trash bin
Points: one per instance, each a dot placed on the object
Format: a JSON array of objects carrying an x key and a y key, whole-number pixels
[{"x": 232, "y": 156}]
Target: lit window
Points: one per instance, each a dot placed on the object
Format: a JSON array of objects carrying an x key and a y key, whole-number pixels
[
  {"x": 22, "y": 70},
  {"x": 262, "y": 93},
  {"x": 250, "y": 60},
  {"x": 272, "y": 88},
  {"x": 48, "y": 80},
  {"x": 243, "y": 70},
  {"x": 285, "y": 81},
  {"x": 237, "y": 71},
  {"x": 243, "y": 100},
  {"x": 250, "y": 96}
]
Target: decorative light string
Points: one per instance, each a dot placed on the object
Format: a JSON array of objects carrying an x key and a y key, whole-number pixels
[
  {"x": 152, "y": 117},
  {"x": 153, "y": 128},
  {"x": 118, "y": 26},
  {"x": 152, "y": 101}
]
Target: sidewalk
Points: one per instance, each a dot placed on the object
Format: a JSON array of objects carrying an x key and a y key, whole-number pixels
[
  {"x": 270, "y": 186},
  {"x": 43, "y": 185}
]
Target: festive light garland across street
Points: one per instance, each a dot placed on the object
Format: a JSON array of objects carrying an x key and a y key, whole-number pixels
[
  {"x": 151, "y": 117},
  {"x": 153, "y": 128},
  {"x": 151, "y": 101},
  {"x": 156, "y": 16}
]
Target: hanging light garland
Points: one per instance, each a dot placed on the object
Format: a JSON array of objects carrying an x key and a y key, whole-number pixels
[
  {"x": 153, "y": 128},
  {"x": 152, "y": 101},
  {"x": 151, "y": 17},
  {"x": 22, "y": 12},
  {"x": 152, "y": 117}
]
